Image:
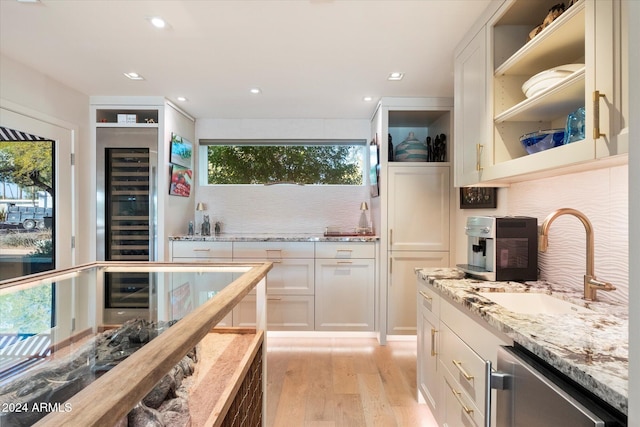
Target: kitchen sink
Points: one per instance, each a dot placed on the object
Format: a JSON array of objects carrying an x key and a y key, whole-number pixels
[{"x": 533, "y": 303}]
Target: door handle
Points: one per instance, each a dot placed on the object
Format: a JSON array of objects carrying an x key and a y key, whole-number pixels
[{"x": 596, "y": 114}]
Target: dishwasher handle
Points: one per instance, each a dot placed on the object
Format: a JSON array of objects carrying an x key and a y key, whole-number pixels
[{"x": 493, "y": 380}]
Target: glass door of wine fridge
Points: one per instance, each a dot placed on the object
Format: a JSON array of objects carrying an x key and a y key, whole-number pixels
[{"x": 126, "y": 226}]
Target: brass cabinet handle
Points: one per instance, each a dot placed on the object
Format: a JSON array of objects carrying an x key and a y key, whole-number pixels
[
  {"x": 479, "y": 148},
  {"x": 345, "y": 250},
  {"x": 464, "y": 373},
  {"x": 390, "y": 236},
  {"x": 458, "y": 396},
  {"x": 433, "y": 342},
  {"x": 202, "y": 250},
  {"x": 274, "y": 299},
  {"x": 596, "y": 114},
  {"x": 425, "y": 296},
  {"x": 345, "y": 262}
]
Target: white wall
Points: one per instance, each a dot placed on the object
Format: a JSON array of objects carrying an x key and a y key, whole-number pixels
[
  {"x": 36, "y": 95},
  {"x": 174, "y": 212},
  {"x": 282, "y": 208}
]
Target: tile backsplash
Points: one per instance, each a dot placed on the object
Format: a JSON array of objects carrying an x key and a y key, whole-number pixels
[{"x": 602, "y": 195}]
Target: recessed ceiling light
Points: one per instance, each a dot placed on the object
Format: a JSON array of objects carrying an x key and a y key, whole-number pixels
[
  {"x": 134, "y": 76},
  {"x": 255, "y": 90},
  {"x": 181, "y": 98},
  {"x": 396, "y": 75},
  {"x": 158, "y": 22},
  {"x": 367, "y": 99}
]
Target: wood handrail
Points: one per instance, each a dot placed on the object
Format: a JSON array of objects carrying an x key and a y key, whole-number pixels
[{"x": 112, "y": 396}]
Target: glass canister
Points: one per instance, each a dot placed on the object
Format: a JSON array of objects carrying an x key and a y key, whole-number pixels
[{"x": 574, "y": 130}]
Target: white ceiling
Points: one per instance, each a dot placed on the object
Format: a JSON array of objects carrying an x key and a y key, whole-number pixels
[{"x": 311, "y": 58}]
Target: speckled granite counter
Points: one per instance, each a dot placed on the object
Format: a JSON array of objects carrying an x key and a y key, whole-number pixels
[
  {"x": 224, "y": 237},
  {"x": 592, "y": 348}
]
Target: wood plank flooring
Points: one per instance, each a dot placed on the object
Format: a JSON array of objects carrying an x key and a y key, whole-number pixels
[{"x": 342, "y": 382}]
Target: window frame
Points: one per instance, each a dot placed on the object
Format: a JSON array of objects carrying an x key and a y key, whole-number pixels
[{"x": 204, "y": 143}]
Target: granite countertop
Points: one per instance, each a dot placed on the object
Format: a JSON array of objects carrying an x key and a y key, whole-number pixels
[
  {"x": 592, "y": 348},
  {"x": 272, "y": 237}
]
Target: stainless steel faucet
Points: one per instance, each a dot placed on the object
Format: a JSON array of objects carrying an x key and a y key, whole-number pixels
[{"x": 591, "y": 285}]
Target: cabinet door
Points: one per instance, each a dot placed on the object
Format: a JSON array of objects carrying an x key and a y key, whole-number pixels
[
  {"x": 427, "y": 357},
  {"x": 284, "y": 313},
  {"x": 610, "y": 77},
  {"x": 401, "y": 297},
  {"x": 345, "y": 295},
  {"x": 418, "y": 208},
  {"x": 472, "y": 147}
]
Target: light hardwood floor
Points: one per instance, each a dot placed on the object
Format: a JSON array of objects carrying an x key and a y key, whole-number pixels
[{"x": 335, "y": 382}]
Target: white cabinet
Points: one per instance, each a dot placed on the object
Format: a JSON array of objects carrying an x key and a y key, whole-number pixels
[
  {"x": 418, "y": 236},
  {"x": 472, "y": 142},
  {"x": 427, "y": 337},
  {"x": 590, "y": 32},
  {"x": 290, "y": 284},
  {"x": 201, "y": 251},
  {"x": 345, "y": 286},
  {"x": 418, "y": 208},
  {"x": 466, "y": 348},
  {"x": 401, "y": 312}
]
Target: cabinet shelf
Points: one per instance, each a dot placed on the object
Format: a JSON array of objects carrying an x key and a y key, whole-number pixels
[
  {"x": 555, "y": 101},
  {"x": 563, "y": 41}
]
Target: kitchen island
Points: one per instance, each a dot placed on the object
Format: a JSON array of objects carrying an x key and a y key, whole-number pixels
[{"x": 590, "y": 347}]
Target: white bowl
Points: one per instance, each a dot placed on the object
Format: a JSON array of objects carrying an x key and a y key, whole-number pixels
[{"x": 548, "y": 78}]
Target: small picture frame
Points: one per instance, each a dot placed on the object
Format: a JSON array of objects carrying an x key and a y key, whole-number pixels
[
  {"x": 478, "y": 197},
  {"x": 181, "y": 151}
]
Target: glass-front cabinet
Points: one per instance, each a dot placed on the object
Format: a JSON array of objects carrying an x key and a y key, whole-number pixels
[{"x": 56, "y": 350}]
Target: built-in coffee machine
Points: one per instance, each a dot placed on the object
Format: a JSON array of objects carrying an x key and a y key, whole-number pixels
[{"x": 502, "y": 248}]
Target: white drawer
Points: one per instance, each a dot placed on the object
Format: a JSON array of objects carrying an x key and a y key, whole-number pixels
[
  {"x": 289, "y": 277},
  {"x": 273, "y": 250},
  {"x": 457, "y": 409},
  {"x": 185, "y": 249},
  {"x": 465, "y": 366},
  {"x": 347, "y": 250},
  {"x": 428, "y": 300}
]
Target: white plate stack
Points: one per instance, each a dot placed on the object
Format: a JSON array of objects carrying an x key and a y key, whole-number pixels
[{"x": 548, "y": 78}]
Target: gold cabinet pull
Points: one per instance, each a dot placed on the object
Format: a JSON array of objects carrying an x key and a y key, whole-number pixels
[
  {"x": 596, "y": 114},
  {"x": 464, "y": 373},
  {"x": 202, "y": 250},
  {"x": 345, "y": 262},
  {"x": 425, "y": 296},
  {"x": 458, "y": 396},
  {"x": 479, "y": 148},
  {"x": 433, "y": 342},
  {"x": 390, "y": 236}
]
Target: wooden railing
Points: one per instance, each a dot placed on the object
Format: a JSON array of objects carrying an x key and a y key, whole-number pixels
[{"x": 111, "y": 397}]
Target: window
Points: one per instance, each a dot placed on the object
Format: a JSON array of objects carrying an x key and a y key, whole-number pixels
[
  {"x": 26, "y": 203},
  {"x": 306, "y": 162}
]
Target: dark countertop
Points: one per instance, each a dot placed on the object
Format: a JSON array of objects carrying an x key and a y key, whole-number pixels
[{"x": 591, "y": 348}]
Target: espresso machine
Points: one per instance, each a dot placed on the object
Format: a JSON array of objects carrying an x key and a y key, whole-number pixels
[{"x": 502, "y": 248}]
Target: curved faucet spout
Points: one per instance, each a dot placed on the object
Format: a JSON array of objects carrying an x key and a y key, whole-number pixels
[{"x": 591, "y": 285}]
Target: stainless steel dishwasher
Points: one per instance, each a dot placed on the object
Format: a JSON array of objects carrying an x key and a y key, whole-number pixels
[{"x": 531, "y": 393}]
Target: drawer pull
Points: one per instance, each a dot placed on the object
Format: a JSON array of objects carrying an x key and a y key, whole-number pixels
[
  {"x": 462, "y": 371},
  {"x": 274, "y": 299},
  {"x": 202, "y": 250},
  {"x": 425, "y": 296},
  {"x": 433, "y": 342},
  {"x": 458, "y": 396},
  {"x": 345, "y": 262}
]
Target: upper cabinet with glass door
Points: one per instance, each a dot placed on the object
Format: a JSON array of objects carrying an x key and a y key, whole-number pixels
[{"x": 588, "y": 38}]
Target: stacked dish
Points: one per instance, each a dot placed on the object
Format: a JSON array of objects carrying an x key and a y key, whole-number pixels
[{"x": 548, "y": 78}]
